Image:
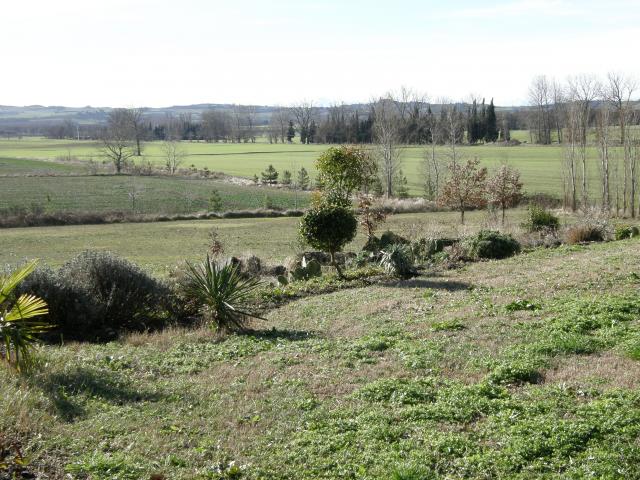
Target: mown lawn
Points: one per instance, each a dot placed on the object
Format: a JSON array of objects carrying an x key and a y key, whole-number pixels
[{"x": 521, "y": 368}]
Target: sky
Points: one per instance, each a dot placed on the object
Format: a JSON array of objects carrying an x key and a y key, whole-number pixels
[{"x": 155, "y": 53}]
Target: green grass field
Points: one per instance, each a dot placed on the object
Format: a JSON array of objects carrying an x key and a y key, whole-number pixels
[
  {"x": 160, "y": 246},
  {"x": 438, "y": 377},
  {"x": 109, "y": 193},
  {"x": 540, "y": 165}
]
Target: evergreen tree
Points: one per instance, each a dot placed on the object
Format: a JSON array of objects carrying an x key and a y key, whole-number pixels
[
  {"x": 402, "y": 185},
  {"x": 270, "y": 175},
  {"x": 291, "y": 132},
  {"x": 482, "y": 124},
  {"x": 286, "y": 177},
  {"x": 303, "y": 179},
  {"x": 491, "y": 124},
  {"x": 313, "y": 129}
]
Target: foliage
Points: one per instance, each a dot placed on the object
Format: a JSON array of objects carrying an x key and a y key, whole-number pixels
[
  {"x": 328, "y": 228},
  {"x": 96, "y": 296},
  {"x": 390, "y": 238},
  {"x": 397, "y": 259},
  {"x": 491, "y": 244},
  {"x": 302, "y": 179},
  {"x": 306, "y": 270},
  {"x": 504, "y": 189},
  {"x": 342, "y": 171},
  {"x": 623, "y": 232},
  {"x": 521, "y": 304},
  {"x": 215, "y": 201},
  {"x": 220, "y": 293},
  {"x": 126, "y": 296},
  {"x": 465, "y": 189},
  {"x": 286, "y": 178},
  {"x": 19, "y": 327},
  {"x": 539, "y": 218},
  {"x": 270, "y": 175},
  {"x": 425, "y": 248}
]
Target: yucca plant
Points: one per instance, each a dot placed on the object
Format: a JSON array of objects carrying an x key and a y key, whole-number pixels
[
  {"x": 18, "y": 324},
  {"x": 221, "y": 293},
  {"x": 397, "y": 259}
]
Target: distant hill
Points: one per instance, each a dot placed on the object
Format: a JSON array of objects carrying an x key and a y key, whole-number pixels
[{"x": 38, "y": 115}]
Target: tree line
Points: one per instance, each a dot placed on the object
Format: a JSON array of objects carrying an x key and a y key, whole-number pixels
[{"x": 586, "y": 113}]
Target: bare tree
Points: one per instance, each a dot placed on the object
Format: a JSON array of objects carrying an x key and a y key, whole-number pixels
[
  {"x": 571, "y": 152},
  {"x": 116, "y": 139},
  {"x": 279, "y": 124},
  {"x": 174, "y": 155},
  {"x": 583, "y": 90},
  {"x": 633, "y": 174},
  {"x": 559, "y": 100},
  {"x": 604, "y": 142},
  {"x": 452, "y": 126},
  {"x": 540, "y": 97},
  {"x": 137, "y": 127},
  {"x": 618, "y": 92},
  {"x": 250, "y": 116},
  {"x": 386, "y": 137},
  {"x": 303, "y": 113},
  {"x": 432, "y": 167},
  {"x": 135, "y": 192}
]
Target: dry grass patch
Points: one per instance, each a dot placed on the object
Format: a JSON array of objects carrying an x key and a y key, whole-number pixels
[{"x": 605, "y": 369}]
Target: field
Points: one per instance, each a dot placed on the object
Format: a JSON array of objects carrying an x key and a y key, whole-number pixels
[
  {"x": 521, "y": 368},
  {"x": 139, "y": 194},
  {"x": 518, "y": 368},
  {"x": 163, "y": 245},
  {"x": 540, "y": 165}
]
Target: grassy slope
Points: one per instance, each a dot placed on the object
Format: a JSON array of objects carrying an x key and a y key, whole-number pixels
[
  {"x": 418, "y": 378},
  {"x": 540, "y": 166},
  {"x": 154, "y": 194},
  {"x": 159, "y": 246}
]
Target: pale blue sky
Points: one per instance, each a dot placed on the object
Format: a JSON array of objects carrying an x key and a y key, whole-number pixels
[{"x": 160, "y": 53}]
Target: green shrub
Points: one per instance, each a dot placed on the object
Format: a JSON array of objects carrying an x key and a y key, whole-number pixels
[
  {"x": 390, "y": 238},
  {"x": 491, "y": 244},
  {"x": 398, "y": 260},
  {"x": 220, "y": 293},
  {"x": 425, "y": 248},
  {"x": 538, "y": 218},
  {"x": 328, "y": 228},
  {"x": 96, "y": 296},
  {"x": 623, "y": 232},
  {"x": 127, "y": 297},
  {"x": 74, "y": 312},
  {"x": 306, "y": 270}
]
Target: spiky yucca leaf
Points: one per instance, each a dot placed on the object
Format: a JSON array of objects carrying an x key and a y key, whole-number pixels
[
  {"x": 18, "y": 326},
  {"x": 221, "y": 292}
]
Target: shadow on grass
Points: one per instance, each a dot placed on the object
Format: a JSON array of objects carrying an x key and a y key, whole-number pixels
[
  {"x": 451, "y": 286},
  {"x": 69, "y": 390},
  {"x": 281, "y": 334}
]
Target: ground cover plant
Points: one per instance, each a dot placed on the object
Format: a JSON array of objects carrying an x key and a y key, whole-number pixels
[{"x": 496, "y": 370}]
